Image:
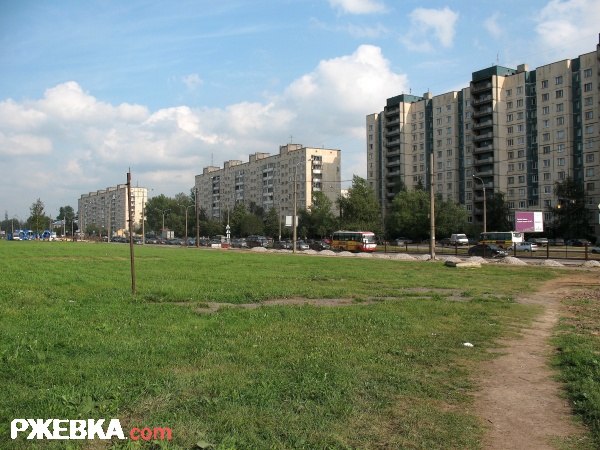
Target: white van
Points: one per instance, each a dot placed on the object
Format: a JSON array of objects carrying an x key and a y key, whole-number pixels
[{"x": 459, "y": 239}]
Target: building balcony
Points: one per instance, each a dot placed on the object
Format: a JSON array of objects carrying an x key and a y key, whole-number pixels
[
  {"x": 317, "y": 171},
  {"x": 483, "y": 149},
  {"x": 391, "y": 111},
  {"x": 393, "y": 121},
  {"x": 481, "y": 100},
  {"x": 483, "y": 136},
  {"x": 482, "y": 112},
  {"x": 393, "y": 141},
  {"x": 394, "y": 132},
  {"x": 480, "y": 87},
  {"x": 484, "y": 173},
  {"x": 486, "y": 160},
  {"x": 483, "y": 124},
  {"x": 394, "y": 152}
]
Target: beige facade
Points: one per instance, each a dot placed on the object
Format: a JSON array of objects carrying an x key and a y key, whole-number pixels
[
  {"x": 514, "y": 130},
  {"x": 268, "y": 181},
  {"x": 106, "y": 209}
]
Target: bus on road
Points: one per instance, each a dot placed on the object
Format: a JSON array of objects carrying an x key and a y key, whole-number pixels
[
  {"x": 502, "y": 239},
  {"x": 354, "y": 241}
]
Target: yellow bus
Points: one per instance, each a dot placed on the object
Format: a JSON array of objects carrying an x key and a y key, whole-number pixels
[
  {"x": 354, "y": 241},
  {"x": 502, "y": 239}
]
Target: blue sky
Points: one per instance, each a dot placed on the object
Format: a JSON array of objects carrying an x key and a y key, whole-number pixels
[{"x": 90, "y": 89}]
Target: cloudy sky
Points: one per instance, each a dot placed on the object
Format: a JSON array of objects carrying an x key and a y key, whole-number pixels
[{"x": 89, "y": 89}]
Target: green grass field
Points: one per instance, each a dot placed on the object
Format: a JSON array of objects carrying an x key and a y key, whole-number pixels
[{"x": 388, "y": 371}]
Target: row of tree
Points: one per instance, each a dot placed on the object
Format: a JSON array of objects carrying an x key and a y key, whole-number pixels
[{"x": 407, "y": 216}]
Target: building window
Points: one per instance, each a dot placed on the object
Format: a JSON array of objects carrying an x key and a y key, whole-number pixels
[
  {"x": 438, "y": 110},
  {"x": 509, "y": 130},
  {"x": 560, "y": 148},
  {"x": 521, "y": 140},
  {"x": 519, "y": 89},
  {"x": 521, "y": 166},
  {"x": 545, "y": 110},
  {"x": 520, "y": 103},
  {"x": 559, "y": 93},
  {"x": 509, "y": 117},
  {"x": 560, "y": 121},
  {"x": 511, "y": 180},
  {"x": 521, "y": 178},
  {"x": 545, "y": 97},
  {"x": 587, "y": 73},
  {"x": 589, "y": 158},
  {"x": 589, "y": 115},
  {"x": 589, "y": 129},
  {"x": 588, "y": 101},
  {"x": 587, "y": 87},
  {"x": 589, "y": 172},
  {"x": 589, "y": 186},
  {"x": 547, "y": 176},
  {"x": 510, "y": 142},
  {"x": 561, "y": 161},
  {"x": 510, "y": 155},
  {"x": 544, "y": 84},
  {"x": 546, "y": 163},
  {"x": 511, "y": 167},
  {"x": 559, "y": 79},
  {"x": 560, "y": 107},
  {"x": 561, "y": 175},
  {"x": 546, "y": 123},
  {"x": 509, "y": 105},
  {"x": 560, "y": 134},
  {"x": 508, "y": 92},
  {"x": 546, "y": 149},
  {"x": 521, "y": 154}
]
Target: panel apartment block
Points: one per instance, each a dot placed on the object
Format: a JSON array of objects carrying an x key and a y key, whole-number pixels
[
  {"x": 511, "y": 130},
  {"x": 106, "y": 209},
  {"x": 268, "y": 181}
]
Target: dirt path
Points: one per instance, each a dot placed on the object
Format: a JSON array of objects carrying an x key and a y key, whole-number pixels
[{"x": 518, "y": 400}]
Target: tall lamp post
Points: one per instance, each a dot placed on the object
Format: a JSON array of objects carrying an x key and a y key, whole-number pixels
[
  {"x": 484, "y": 204},
  {"x": 186, "y": 219},
  {"x": 144, "y": 217},
  {"x": 163, "y": 211}
]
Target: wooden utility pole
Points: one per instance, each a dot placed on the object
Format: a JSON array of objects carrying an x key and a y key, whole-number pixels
[{"x": 130, "y": 219}]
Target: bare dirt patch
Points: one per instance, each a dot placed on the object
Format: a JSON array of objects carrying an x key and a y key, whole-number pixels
[{"x": 518, "y": 399}]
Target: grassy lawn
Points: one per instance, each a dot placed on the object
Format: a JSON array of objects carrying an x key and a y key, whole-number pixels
[
  {"x": 578, "y": 356},
  {"x": 390, "y": 373}
]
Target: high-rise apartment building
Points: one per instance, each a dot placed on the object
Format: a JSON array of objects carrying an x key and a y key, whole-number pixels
[
  {"x": 513, "y": 131},
  {"x": 268, "y": 181},
  {"x": 106, "y": 210}
]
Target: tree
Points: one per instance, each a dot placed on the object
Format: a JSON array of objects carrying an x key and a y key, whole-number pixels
[
  {"x": 570, "y": 215},
  {"x": 450, "y": 217},
  {"x": 409, "y": 215},
  {"x": 272, "y": 222},
  {"x": 497, "y": 213},
  {"x": 360, "y": 210},
  {"x": 321, "y": 222},
  {"x": 67, "y": 215},
  {"x": 38, "y": 221}
]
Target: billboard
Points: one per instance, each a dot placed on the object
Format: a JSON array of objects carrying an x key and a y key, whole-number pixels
[{"x": 529, "y": 222}]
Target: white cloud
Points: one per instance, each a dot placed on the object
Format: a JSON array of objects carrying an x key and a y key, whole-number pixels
[
  {"x": 192, "y": 81},
  {"x": 358, "y": 6},
  {"x": 71, "y": 143},
  {"x": 567, "y": 23},
  {"x": 425, "y": 22},
  {"x": 491, "y": 24}
]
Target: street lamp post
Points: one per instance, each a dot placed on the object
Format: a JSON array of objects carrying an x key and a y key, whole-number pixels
[
  {"x": 186, "y": 219},
  {"x": 144, "y": 218},
  {"x": 163, "y": 211},
  {"x": 484, "y": 203}
]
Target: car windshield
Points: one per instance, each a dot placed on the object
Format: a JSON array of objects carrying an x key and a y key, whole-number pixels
[{"x": 493, "y": 247}]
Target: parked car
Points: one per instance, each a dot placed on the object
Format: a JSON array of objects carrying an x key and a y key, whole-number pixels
[
  {"x": 239, "y": 243},
  {"x": 578, "y": 242},
  {"x": 524, "y": 247},
  {"x": 401, "y": 241},
  {"x": 459, "y": 239},
  {"x": 152, "y": 240},
  {"x": 283, "y": 245},
  {"x": 489, "y": 250},
  {"x": 301, "y": 245},
  {"x": 595, "y": 249},
  {"x": 558, "y": 242},
  {"x": 319, "y": 245},
  {"x": 445, "y": 242},
  {"x": 541, "y": 241}
]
